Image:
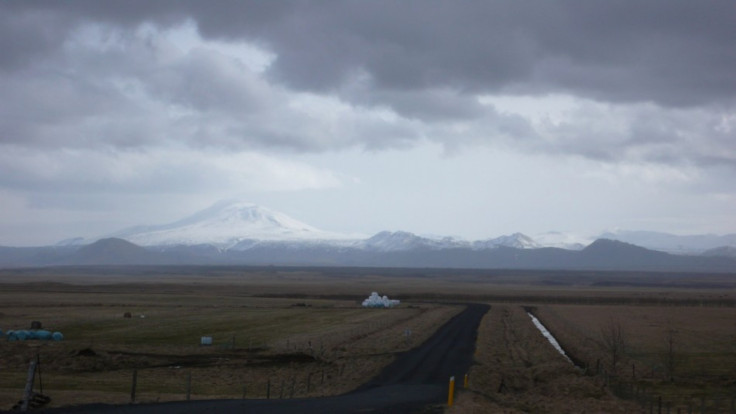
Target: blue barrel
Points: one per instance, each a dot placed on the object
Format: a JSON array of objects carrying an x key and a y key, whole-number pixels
[
  {"x": 21, "y": 335},
  {"x": 57, "y": 336}
]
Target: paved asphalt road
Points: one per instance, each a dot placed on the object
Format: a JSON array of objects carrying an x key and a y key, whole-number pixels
[{"x": 416, "y": 379}]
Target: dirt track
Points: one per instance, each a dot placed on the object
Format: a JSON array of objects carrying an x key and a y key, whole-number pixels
[{"x": 416, "y": 379}]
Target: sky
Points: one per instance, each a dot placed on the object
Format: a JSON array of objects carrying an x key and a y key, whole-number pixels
[{"x": 470, "y": 119}]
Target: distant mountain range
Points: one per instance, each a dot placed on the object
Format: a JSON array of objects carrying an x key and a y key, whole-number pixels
[
  {"x": 237, "y": 233},
  {"x": 671, "y": 243}
]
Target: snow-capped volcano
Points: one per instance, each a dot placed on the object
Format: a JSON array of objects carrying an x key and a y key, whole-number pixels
[{"x": 225, "y": 224}]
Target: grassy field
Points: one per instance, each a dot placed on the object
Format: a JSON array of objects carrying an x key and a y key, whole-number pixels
[
  {"x": 303, "y": 332},
  {"x": 517, "y": 371},
  {"x": 680, "y": 353},
  {"x": 334, "y": 344}
]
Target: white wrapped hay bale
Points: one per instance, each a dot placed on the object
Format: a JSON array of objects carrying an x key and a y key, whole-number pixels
[{"x": 377, "y": 301}]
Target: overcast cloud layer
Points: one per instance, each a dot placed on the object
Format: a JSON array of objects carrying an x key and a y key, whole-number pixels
[{"x": 469, "y": 118}]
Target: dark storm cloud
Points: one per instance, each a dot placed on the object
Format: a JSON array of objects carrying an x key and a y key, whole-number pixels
[
  {"x": 428, "y": 61},
  {"x": 673, "y": 53}
]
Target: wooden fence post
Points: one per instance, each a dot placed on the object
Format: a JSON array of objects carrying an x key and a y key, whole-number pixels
[
  {"x": 38, "y": 368},
  {"x": 189, "y": 386},
  {"x": 28, "y": 391},
  {"x": 132, "y": 387}
]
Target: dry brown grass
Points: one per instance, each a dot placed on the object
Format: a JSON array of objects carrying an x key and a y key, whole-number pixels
[
  {"x": 518, "y": 371},
  {"x": 704, "y": 346},
  {"x": 333, "y": 344}
]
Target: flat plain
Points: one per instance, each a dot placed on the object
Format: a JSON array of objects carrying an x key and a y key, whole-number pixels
[{"x": 295, "y": 332}]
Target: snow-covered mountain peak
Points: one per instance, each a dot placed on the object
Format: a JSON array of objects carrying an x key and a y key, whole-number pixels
[
  {"x": 516, "y": 240},
  {"x": 240, "y": 214},
  {"x": 569, "y": 241},
  {"x": 225, "y": 224},
  {"x": 388, "y": 241},
  {"x": 401, "y": 240}
]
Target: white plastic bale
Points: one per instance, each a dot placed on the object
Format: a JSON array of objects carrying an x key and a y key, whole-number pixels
[{"x": 377, "y": 301}]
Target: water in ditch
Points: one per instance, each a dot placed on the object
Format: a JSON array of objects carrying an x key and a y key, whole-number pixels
[{"x": 549, "y": 337}]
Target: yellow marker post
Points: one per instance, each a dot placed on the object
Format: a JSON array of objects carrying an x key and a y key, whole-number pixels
[
  {"x": 451, "y": 392},
  {"x": 465, "y": 382}
]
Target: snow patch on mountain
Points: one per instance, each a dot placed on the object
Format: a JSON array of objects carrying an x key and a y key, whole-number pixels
[
  {"x": 402, "y": 241},
  {"x": 516, "y": 240},
  {"x": 568, "y": 241},
  {"x": 386, "y": 241}
]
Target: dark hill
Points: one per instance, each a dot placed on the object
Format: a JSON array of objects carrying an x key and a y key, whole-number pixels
[
  {"x": 613, "y": 254},
  {"x": 605, "y": 254},
  {"x": 725, "y": 251},
  {"x": 114, "y": 251}
]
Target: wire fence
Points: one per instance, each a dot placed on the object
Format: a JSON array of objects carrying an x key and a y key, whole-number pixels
[
  {"x": 308, "y": 384},
  {"x": 653, "y": 402}
]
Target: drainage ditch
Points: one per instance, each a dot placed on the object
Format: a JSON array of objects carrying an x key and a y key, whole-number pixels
[{"x": 551, "y": 338}]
